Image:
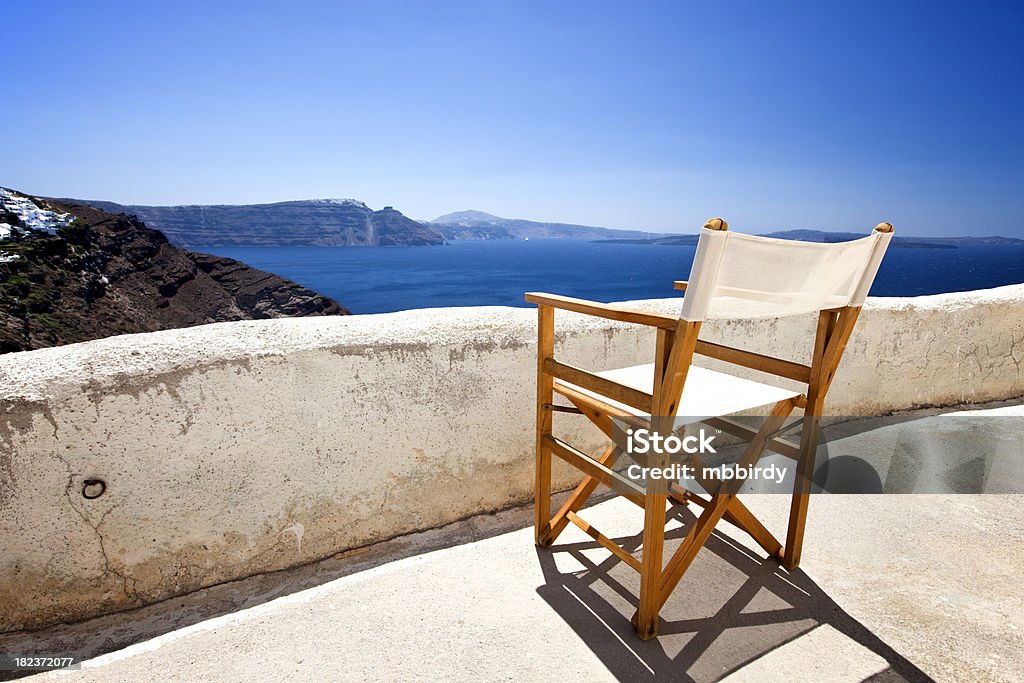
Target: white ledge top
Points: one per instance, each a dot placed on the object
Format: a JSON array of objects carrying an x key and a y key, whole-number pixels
[{"x": 34, "y": 375}]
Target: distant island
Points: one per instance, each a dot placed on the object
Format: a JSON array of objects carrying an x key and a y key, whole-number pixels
[
  {"x": 477, "y": 225},
  {"x": 351, "y": 223},
  {"x": 339, "y": 223},
  {"x": 828, "y": 237}
]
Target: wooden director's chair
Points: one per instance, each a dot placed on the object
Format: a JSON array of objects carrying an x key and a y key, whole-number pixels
[{"x": 734, "y": 276}]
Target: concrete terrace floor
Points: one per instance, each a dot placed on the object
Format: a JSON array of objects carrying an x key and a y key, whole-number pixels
[{"x": 893, "y": 587}]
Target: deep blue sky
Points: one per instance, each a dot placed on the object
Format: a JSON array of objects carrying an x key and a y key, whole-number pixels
[{"x": 645, "y": 115}]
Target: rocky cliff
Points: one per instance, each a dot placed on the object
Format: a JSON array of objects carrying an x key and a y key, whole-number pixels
[
  {"x": 71, "y": 273},
  {"x": 315, "y": 222}
]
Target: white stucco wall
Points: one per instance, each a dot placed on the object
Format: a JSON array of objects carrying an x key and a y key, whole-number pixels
[{"x": 238, "y": 448}]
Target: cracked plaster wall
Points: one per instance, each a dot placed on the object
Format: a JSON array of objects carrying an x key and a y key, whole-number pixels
[{"x": 239, "y": 448}]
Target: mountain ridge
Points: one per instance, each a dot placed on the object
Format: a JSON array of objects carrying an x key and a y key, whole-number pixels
[
  {"x": 305, "y": 222},
  {"x": 350, "y": 222},
  {"x": 467, "y": 217},
  {"x": 480, "y": 225}
]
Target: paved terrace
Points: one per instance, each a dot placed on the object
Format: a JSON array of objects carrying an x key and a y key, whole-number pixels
[
  {"x": 238, "y": 456},
  {"x": 892, "y": 587}
]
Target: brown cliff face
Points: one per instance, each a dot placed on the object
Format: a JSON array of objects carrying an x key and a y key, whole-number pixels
[{"x": 108, "y": 274}]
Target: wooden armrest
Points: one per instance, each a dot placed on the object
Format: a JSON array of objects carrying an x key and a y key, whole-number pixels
[
  {"x": 609, "y": 311},
  {"x": 680, "y": 284}
]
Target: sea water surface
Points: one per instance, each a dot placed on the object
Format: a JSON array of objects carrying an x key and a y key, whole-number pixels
[{"x": 485, "y": 273}]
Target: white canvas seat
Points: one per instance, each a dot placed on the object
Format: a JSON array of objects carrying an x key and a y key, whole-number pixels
[
  {"x": 707, "y": 393},
  {"x": 733, "y": 277}
]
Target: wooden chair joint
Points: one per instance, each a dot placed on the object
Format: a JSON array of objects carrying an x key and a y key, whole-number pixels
[
  {"x": 562, "y": 409},
  {"x": 605, "y": 542}
]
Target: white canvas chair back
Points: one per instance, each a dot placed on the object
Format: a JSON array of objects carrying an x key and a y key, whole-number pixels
[{"x": 745, "y": 276}]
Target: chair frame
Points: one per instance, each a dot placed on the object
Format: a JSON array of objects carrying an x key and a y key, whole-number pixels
[{"x": 677, "y": 343}]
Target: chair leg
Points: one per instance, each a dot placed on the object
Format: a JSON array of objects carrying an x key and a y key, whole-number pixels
[
  {"x": 691, "y": 545},
  {"x": 645, "y": 621},
  {"x": 542, "y": 498},
  {"x": 801, "y": 494},
  {"x": 545, "y": 395}
]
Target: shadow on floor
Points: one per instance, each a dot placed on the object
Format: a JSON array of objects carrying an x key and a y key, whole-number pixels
[{"x": 732, "y": 608}]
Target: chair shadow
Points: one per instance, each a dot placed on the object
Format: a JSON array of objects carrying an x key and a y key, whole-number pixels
[
  {"x": 731, "y": 608},
  {"x": 688, "y": 649}
]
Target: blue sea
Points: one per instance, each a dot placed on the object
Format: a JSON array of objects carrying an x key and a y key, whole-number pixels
[{"x": 383, "y": 279}]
